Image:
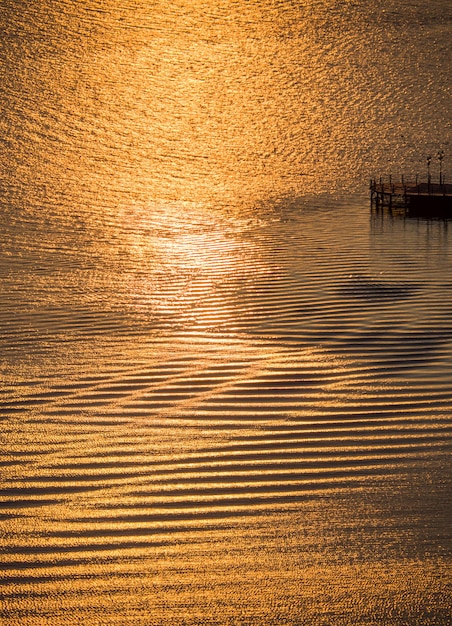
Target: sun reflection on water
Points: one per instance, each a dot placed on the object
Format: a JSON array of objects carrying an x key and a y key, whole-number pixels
[{"x": 187, "y": 266}]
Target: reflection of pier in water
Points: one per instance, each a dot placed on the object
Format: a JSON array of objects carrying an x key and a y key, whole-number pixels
[
  {"x": 412, "y": 198},
  {"x": 407, "y": 241}
]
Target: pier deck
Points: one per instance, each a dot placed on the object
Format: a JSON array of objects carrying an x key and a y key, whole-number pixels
[{"x": 426, "y": 198}]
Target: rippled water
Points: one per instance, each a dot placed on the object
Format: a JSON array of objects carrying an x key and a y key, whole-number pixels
[{"x": 226, "y": 383}]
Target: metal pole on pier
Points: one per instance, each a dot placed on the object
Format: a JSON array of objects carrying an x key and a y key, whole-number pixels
[{"x": 440, "y": 159}]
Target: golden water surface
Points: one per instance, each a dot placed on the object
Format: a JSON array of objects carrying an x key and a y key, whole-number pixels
[{"x": 226, "y": 384}]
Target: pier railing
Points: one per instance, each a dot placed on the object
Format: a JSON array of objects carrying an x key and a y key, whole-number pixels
[
  {"x": 383, "y": 186},
  {"x": 386, "y": 193}
]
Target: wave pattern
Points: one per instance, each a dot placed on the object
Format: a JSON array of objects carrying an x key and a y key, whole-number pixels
[{"x": 192, "y": 471}]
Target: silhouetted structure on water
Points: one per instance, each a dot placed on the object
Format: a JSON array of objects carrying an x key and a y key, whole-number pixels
[{"x": 415, "y": 199}]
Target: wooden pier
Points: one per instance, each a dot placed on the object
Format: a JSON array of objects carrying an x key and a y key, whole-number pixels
[{"x": 416, "y": 199}]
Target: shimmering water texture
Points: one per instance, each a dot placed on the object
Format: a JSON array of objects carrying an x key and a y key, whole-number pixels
[{"x": 226, "y": 389}]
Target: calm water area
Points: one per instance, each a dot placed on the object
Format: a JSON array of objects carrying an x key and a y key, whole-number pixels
[{"x": 225, "y": 382}]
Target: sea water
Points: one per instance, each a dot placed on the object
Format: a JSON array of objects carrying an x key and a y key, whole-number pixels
[{"x": 226, "y": 383}]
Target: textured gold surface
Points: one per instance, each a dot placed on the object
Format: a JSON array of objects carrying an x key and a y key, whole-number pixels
[{"x": 225, "y": 392}]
